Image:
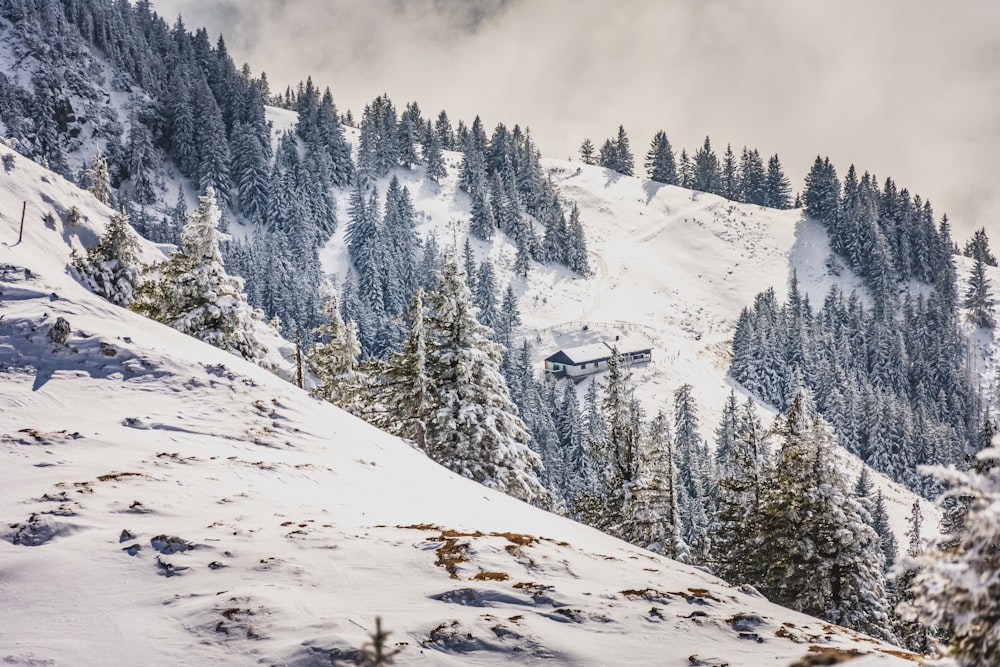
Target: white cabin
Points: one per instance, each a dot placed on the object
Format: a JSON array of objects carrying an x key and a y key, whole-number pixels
[{"x": 578, "y": 362}]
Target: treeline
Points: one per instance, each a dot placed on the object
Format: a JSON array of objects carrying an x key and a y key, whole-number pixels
[
  {"x": 884, "y": 234},
  {"x": 509, "y": 193},
  {"x": 744, "y": 179},
  {"x": 188, "y": 102},
  {"x": 892, "y": 380}
]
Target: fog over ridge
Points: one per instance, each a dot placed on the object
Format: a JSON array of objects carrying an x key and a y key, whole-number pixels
[{"x": 903, "y": 88}]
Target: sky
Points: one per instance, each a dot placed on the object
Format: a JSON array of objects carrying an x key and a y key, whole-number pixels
[{"x": 908, "y": 89}]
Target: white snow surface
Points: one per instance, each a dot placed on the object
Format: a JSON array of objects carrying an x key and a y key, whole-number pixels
[{"x": 163, "y": 502}]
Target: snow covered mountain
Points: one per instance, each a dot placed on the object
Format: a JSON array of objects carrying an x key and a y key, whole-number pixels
[
  {"x": 165, "y": 502},
  {"x": 672, "y": 268}
]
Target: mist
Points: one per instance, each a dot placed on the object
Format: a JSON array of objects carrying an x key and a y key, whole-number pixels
[{"x": 908, "y": 89}]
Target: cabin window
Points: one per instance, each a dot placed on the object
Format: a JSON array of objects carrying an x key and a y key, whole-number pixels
[
  {"x": 582, "y": 366},
  {"x": 556, "y": 367}
]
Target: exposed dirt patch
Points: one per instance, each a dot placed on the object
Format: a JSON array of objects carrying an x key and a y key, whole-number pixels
[
  {"x": 456, "y": 546},
  {"x": 451, "y": 554},
  {"x": 116, "y": 476},
  {"x": 903, "y": 655},
  {"x": 825, "y": 655},
  {"x": 785, "y": 634}
]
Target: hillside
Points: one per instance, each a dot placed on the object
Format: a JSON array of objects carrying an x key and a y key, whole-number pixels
[
  {"x": 672, "y": 267},
  {"x": 167, "y": 503}
]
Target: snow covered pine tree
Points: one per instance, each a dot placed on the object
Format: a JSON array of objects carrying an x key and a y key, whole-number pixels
[{"x": 192, "y": 292}]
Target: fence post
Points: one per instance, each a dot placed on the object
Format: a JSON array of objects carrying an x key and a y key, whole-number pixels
[{"x": 20, "y": 234}]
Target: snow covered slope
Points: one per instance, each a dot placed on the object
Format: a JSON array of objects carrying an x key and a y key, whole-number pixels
[
  {"x": 671, "y": 266},
  {"x": 164, "y": 502}
]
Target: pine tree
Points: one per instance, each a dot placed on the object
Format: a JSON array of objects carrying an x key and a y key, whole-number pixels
[
  {"x": 99, "y": 183},
  {"x": 473, "y": 175},
  {"x": 333, "y": 359},
  {"x": 777, "y": 187},
  {"x": 821, "y": 556},
  {"x": 406, "y": 390},
  {"x": 685, "y": 170},
  {"x": 485, "y": 296},
  {"x": 977, "y": 297},
  {"x": 141, "y": 160},
  {"x": 442, "y": 127},
  {"x": 706, "y": 169},
  {"x": 822, "y": 193},
  {"x": 249, "y": 169},
  {"x": 660, "y": 163},
  {"x": 472, "y": 426},
  {"x": 654, "y": 518},
  {"x": 537, "y": 405},
  {"x": 587, "y": 152},
  {"x": 193, "y": 293},
  {"x": 111, "y": 267},
  {"x": 555, "y": 241},
  {"x": 579, "y": 475},
  {"x": 436, "y": 169},
  {"x": 736, "y": 519},
  {"x": 378, "y": 150},
  {"x": 330, "y": 133},
  {"x": 753, "y": 178},
  {"x": 978, "y": 247},
  {"x": 880, "y": 523},
  {"x": 614, "y": 450},
  {"x": 729, "y": 178},
  {"x": 693, "y": 469},
  {"x": 484, "y": 222},
  {"x": 510, "y": 318},
  {"x": 406, "y": 135},
  {"x": 957, "y": 585},
  {"x": 726, "y": 434},
  {"x": 912, "y": 634},
  {"x": 608, "y": 157},
  {"x": 595, "y": 426},
  {"x": 430, "y": 263},
  {"x": 212, "y": 167},
  {"x": 576, "y": 244},
  {"x": 623, "y": 153},
  {"x": 181, "y": 123}
]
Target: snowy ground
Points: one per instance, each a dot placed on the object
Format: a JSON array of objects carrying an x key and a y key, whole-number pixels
[{"x": 163, "y": 502}]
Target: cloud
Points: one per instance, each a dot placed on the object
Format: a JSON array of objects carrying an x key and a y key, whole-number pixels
[{"x": 903, "y": 88}]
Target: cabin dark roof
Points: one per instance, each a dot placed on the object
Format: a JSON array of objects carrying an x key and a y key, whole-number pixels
[
  {"x": 586, "y": 354},
  {"x": 560, "y": 358}
]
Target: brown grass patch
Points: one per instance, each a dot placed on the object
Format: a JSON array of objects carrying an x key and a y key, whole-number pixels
[
  {"x": 115, "y": 476},
  {"x": 451, "y": 554},
  {"x": 785, "y": 634},
  {"x": 455, "y": 548},
  {"x": 903, "y": 655},
  {"x": 826, "y": 655},
  {"x": 517, "y": 538},
  {"x": 704, "y": 594},
  {"x": 638, "y": 592}
]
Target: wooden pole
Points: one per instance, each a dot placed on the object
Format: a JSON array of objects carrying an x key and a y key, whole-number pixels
[
  {"x": 298, "y": 358},
  {"x": 20, "y": 234}
]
